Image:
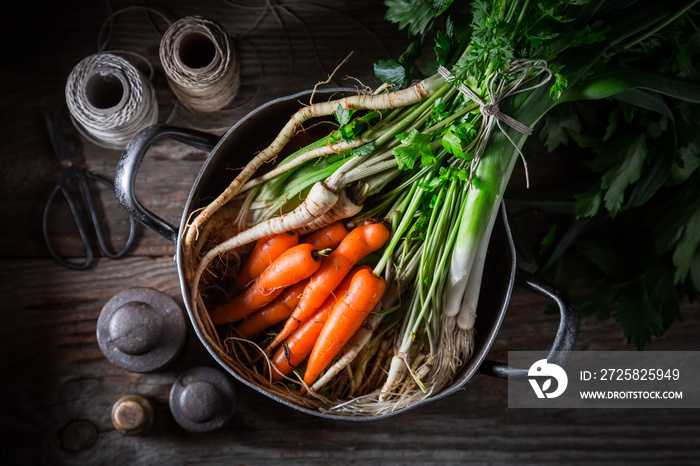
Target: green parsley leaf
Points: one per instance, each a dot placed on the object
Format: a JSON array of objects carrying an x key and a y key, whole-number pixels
[
  {"x": 363, "y": 150},
  {"x": 352, "y": 129},
  {"x": 416, "y": 15},
  {"x": 599, "y": 301},
  {"x": 442, "y": 5},
  {"x": 415, "y": 145},
  {"x": 558, "y": 126},
  {"x": 439, "y": 113},
  {"x": 451, "y": 142},
  {"x": 449, "y": 173},
  {"x": 590, "y": 34},
  {"x": 638, "y": 316},
  {"x": 456, "y": 138},
  {"x": 343, "y": 115},
  {"x": 587, "y": 204},
  {"x": 557, "y": 89},
  {"x": 687, "y": 163},
  {"x": 431, "y": 184},
  {"x": 624, "y": 173},
  {"x": 442, "y": 49},
  {"x": 390, "y": 71}
]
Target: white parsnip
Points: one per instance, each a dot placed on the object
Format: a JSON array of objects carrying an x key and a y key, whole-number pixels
[
  {"x": 302, "y": 158},
  {"x": 401, "y": 98},
  {"x": 342, "y": 209}
]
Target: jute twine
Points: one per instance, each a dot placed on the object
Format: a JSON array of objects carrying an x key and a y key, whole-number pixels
[
  {"x": 109, "y": 100},
  {"x": 200, "y": 62},
  {"x": 499, "y": 87}
]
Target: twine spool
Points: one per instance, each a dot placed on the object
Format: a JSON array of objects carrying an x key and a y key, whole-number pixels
[
  {"x": 109, "y": 100},
  {"x": 200, "y": 63}
]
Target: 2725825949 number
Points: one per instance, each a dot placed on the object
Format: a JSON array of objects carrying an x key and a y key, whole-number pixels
[{"x": 639, "y": 374}]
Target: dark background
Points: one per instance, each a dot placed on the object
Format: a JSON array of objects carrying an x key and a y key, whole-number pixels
[{"x": 54, "y": 373}]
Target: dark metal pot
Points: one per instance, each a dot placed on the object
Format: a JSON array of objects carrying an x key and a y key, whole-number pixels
[{"x": 251, "y": 134}]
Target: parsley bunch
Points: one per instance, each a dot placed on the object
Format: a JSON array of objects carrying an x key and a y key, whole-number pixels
[
  {"x": 626, "y": 115},
  {"x": 631, "y": 228}
]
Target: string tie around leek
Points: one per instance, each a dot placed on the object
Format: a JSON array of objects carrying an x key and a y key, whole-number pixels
[{"x": 490, "y": 110}]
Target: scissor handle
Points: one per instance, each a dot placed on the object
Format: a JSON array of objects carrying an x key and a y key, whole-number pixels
[
  {"x": 61, "y": 187},
  {"x": 82, "y": 230},
  {"x": 96, "y": 221}
]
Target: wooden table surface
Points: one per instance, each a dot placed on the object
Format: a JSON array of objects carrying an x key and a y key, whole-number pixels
[{"x": 54, "y": 373}]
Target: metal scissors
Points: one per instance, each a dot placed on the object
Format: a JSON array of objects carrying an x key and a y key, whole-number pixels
[{"x": 69, "y": 172}]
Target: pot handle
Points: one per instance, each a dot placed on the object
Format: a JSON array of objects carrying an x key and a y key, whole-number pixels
[
  {"x": 130, "y": 161},
  {"x": 565, "y": 338}
]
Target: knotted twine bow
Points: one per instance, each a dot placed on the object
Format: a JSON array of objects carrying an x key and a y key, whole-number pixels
[{"x": 490, "y": 110}]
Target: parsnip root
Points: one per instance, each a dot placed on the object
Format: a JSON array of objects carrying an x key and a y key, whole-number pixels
[{"x": 408, "y": 96}]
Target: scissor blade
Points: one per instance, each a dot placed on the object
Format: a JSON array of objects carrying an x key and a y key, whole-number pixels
[{"x": 58, "y": 140}]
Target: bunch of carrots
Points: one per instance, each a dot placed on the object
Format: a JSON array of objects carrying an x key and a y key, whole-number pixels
[{"x": 315, "y": 286}]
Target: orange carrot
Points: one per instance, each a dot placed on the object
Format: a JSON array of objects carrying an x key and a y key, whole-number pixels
[
  {"x": 300, "y": 343},
  {"x": 346, "y": 317},
  {"x": 274, "y": 313},
  {"x": 329, "y": 236},
  {"x": 266, "y": 250},
  {"x": 356, "y": 245},
  {"x": 294, "y": 265}
]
